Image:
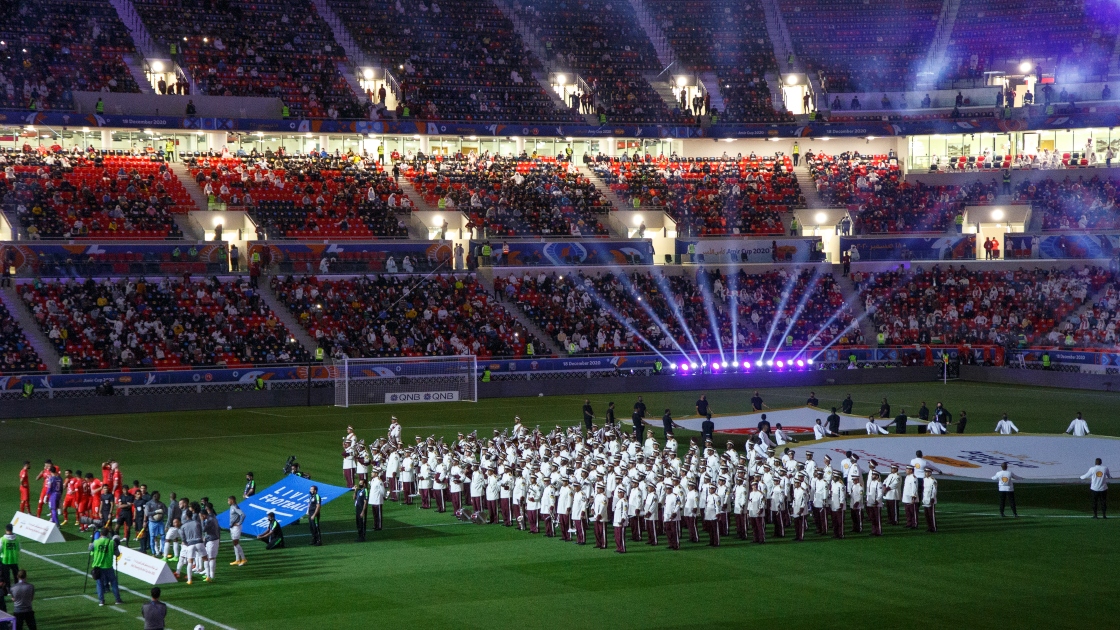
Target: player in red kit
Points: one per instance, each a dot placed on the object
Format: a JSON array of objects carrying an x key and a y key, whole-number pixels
[
  {"x": 73, "y": 496},
  {"x": 93, "y": 496},
  {"x": 25, "y": 488}
]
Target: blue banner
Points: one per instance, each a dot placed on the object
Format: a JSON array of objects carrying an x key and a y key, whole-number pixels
[
  {"x": 1078, "y": 245},
  {"x": 438, "y": 128},
  {"x": 958, "y": 247},
  {"x": 32, "y": 257},
  {"x": 589, "y": 252},
  {"x": 754, "y": 250},
  {"x": 282, "y": 251},
  {"x": 244, "y": 376},
  {"x": 287, "y": 499}
]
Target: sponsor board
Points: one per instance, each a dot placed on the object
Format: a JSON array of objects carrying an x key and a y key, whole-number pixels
[
  {"x": 421, "y": 397},
  {"x": 35, "y": 528},
  {"x": 1034, "y": 458},
  {"x": 143, "y": 567}
]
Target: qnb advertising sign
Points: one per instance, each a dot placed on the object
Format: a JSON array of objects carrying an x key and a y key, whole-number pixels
[{"x": 422, "y": 397}]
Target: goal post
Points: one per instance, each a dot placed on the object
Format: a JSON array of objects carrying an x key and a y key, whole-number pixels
[{"x": 405, "y": 379}]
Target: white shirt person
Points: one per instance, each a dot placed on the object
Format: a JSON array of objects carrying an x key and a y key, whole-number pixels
[
  {"x": 1079, "y": 428},
  {"x": 1006, "y": 426}
]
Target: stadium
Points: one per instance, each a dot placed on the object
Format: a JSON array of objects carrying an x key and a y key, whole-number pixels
[{"x": 651, "y": 313}]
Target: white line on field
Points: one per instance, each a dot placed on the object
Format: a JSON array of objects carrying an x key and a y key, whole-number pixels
[
  {"x": 265, "y": 413},
  {"x": 102, "y": 435},
  {"x": 72, "y": 553},
  {"x": 997, "y": 515},
  {"x": 131, "y": 592}
]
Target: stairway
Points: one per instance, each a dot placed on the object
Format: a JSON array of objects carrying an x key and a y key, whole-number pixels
[
  {"x": 184, "y": 174},
  {"x": 774, "y": 82},
  {"x": 136, "y": 69},
  {"x": 939, "y": 45},
  {"x": 1034, "y": 226},
  {"x": 779, "y": 37},
  {"x": 557, "y": 102},
  {"x": 616, "y": 200},
  {"x": 35, "y": 336},
  {"x": 664, "y": 89},
  {"x": 711, "y": 86},
  {"x": 551, "y": 347},
  {"x": 286, "y": 317},
  {"x": 808, "y": 189},
  {"x": 848, "y": 290},
  {"x": 653, "y": 31}
]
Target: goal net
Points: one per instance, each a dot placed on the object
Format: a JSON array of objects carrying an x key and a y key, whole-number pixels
[{"x": 405, "y": 380}]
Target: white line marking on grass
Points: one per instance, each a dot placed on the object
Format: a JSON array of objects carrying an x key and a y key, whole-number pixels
[
  {"x": 102, "y": 435},
  {"x": 72, "y": 553},
  {"x": 47, "y": 599},
  {"x": 131, "y": 592},
  {"x": 996, "y": 514},
  {"x": 265, "y": 413}
]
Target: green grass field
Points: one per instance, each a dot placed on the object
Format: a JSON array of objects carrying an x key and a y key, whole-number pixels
[{"x": 1053, "y": 567}]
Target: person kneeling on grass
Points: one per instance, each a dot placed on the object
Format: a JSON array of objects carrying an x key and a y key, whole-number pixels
[{"x": 272, "y": 533}]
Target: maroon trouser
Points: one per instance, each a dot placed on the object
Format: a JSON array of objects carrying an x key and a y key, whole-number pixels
[
  {"x": 693, "y": 532},
  {"x": 391, "y": 486},
  {"x": 651, "y": 532},
  {"x": 820, "y": 521},
  {"x": 741, "y": 526},
  {"x": 441, "y": 500},
  {"x": 425, "y": 498},
  {"x": 565, "y": 535},
  {"x": 515, "y": 512},
  {"x": 912, "y": 515},
  {"x": 779, "y": 526},
  {"x": 857, "y": 520},
  {"x": 931, "y": 518},
  {"x": 838, "y": 523},
  {"x": 476, "y": 504},
  {"x": 635, "y": 529},
  {"x": 673, "y": 532},
  {"x": 758, "y": 524},
  {"x": 786, "y": 519},
  {"x": 600, "y": 535},
  {"x": 620, "y": 538},
  {"x": 375, "y": 511},
  {"x": 504, "y": 503},
  {"x": 721, "y": 519},
  {"x": 799, "y": 524},
  {"x": 875, "y": 515},
  {"x": 713, "y": 532},
  {"x": 549, "y": 525},
  {"x": 492, "y": 511},
  {"x": 892, "y": 511},
  {"x": 348, "y": 474},
  {"x": 532, "y": 517},
  {"x": 456, "y": 501},
  {"x": 406, "y": 489},
  {"x": 581, "y": 530}
]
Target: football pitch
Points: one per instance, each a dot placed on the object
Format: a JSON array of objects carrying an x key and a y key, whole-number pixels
[{"x": 1053, "y": 566}]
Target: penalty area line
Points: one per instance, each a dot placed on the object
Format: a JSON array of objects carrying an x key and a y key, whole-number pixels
[{"x": 137, "y": 594}]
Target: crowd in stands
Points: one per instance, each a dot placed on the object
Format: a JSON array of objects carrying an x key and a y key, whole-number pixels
[
  {"x": 164, "y": 323},
  {"x": 455, "y": 59},
  {"x": 513, "y": 196},
  {"x": 1074, "y": 204},
  {"x": 314, "y": 195},
  {"x": 388, "y": 315},
  {"x": 16, "y": 354},
  {"x": 880, "y": 201},
  {"x": 995, "y": 35},
  {"x": 639, "y": 312},
  {"x": 860, "y": 46},
  {"x": 605, "y": 45},
  {"x": 708, "y": 196},
  {"x": 73, "y": 194},
  {"x": 261, "y": 48},
  {"x": 1096, "y": 326},
  {"x": 51, "y": 48},
  {"x": 956, "y": 306},
  {"x": 729, "y": 40}
]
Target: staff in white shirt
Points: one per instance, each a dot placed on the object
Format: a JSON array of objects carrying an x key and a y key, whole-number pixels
[
  {"x": 1098, "y": 477},
  {"x": 874, "y": 429},
  {"x": 1079, "y": 428},
  {"x": 1006, "y": 480},
  {"x": 929, "y": 501},
  {"x": 1006, "y": 427}
]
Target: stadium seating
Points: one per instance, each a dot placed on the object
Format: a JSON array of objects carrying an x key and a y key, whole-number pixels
[
  {"x": 261, "y": 48},
  {"x": 514, "y": 196},
  {"x": 387, "y": 315},
  {"x": 710, "y": 196},
  {"x": 585, "y": 310},
  {"x": 95, "y": 195},
  {"x": 727, "y": 39},
  {"x": 456, "y": 59},
  {"x": 165, "y": 323},
  {"x": 307, "y": 196},
  {"x": 861, "y": 46},
  {"x": 970, "y": 306},
  {"x": 1096, "y": 326},
  {"x": 996, "y": 35},
  {"x": 603, "y": 44},
  {"x": 881, "y": 202},
  {"x": 1081, "y": 204},
  {"x": 16, "y": 354},
  {"x": 52, "y": 48}
]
